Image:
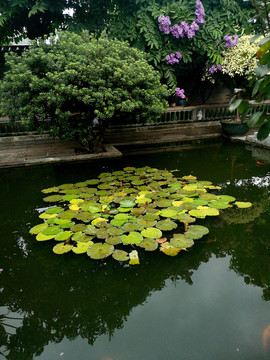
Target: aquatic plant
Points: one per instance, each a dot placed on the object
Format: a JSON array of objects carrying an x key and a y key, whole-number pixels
[{"x": 124, "y": 212}]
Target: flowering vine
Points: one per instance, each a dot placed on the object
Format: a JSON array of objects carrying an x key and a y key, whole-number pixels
[
  {"x": 179, "y": 31},
  {"x": 231, "y": 41},
  {"x": 184, "y": 28},
  {"x": 173, "y": 58},
  {"x": 180, "y": 93}
]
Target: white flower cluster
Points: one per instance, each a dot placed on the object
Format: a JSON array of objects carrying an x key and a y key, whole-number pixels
[{"x": 240, "y": 59}]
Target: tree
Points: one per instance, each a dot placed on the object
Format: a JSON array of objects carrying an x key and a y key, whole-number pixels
[
  {"x": 96, "y": 79},
  {"x": 30, "y": 18},
  {"x": 137, "y": 23}
]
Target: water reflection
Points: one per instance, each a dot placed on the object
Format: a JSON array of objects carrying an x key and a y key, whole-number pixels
[{"x": 47, "y": 299}]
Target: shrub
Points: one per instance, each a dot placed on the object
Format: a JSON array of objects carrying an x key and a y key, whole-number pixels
[
  {"x": 94, "y": 78},
  {"x": 240, "y": 59}
]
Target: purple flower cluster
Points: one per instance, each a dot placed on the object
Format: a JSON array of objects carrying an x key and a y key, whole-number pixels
[
  {"x": 180, "y": 93},
  {"x": 214, "y": 68},
  {"x": 230, "y": 40},
  {"x": 184, "y": 28},
  {"x": 165, "y": 23},
  {"x": 173, "y": 58}
]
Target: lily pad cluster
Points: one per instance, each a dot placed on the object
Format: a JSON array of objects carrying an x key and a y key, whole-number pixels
[{"x": 124, "y": 212}]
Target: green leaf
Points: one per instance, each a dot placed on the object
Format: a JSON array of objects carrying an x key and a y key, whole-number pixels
[
  {"x": 235, "y": 105},
  {"x": 255, "y": 118},
  {"x": 264, "y": 131}
]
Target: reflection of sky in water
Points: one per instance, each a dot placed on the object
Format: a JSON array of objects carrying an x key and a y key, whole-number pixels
[
  {"x": 254, "y": 180},
  {"x": 218, "y": 317}
]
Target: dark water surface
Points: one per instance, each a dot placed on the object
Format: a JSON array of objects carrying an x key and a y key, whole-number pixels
[{"x": 210, "y": 303}]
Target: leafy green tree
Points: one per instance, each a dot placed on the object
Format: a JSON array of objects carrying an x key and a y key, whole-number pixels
[
  {"x": 30, "y": 18},
  {"x": 95, "y": 79}
]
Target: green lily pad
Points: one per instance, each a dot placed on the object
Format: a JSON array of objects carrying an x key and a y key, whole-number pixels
[
  {"x": 129, "y": 227},
  {"x": 50, "y": 190},
  {"x": 168, "y": 213},
  {"x": 68, "y": 214},
  {"x": 78, "y": 227},
  {"x": 181, "y": 241},
  {"x": 84, "y": 216},
  {"x": 114, "y": 240},
  {"x": 226, "y": 198},
  {"x": 151, "y": 233},
  {"x": 92, "y": 182},
  {"x": 163, "y": 203},
  {"x": 52, "y": 230},
  {"x": 69, "y": 197},
  {"x": 102, "y": 233},
  {"x": 127, "y": 203},
  {"x": 100, "y": 251},
  {"x": 38, "y": 228},
  {"x": 66, "y": 186},
  {"x": 166, "y": 225},
  {"x": 216, "y": 204},
  {"x": 82, "y": 247},
  {"x": 53, "y": 198},
  {"x": 64, "y": 235},
  {"x": 243, "y": 205},
  {"x": 209, "y": 211},
  {"x": 146, "y": 224},
  {"x": 197, "y": 213},
  {"x": 196, "y": 232},
  {"x": 120, "y": 255},
  {"x": 133, "y": 237},
  {"x": 42, "y": 237},
  {"x": 54, "y": 210},
  {"x": 62, "y": 248},
  {"x": 148, "y": 244},
  {"x": 113, "y": 231}
]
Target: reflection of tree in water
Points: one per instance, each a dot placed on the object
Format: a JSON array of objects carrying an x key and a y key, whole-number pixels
[{"x": 74, "y": 296}]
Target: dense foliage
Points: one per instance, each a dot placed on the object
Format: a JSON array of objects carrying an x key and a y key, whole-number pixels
[
  {"x": 137, "y": 22},
  {"x": 100, "y": 79},
  {"x": 260, "y": 92}
]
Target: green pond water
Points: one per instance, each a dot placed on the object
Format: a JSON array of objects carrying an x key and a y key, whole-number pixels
[{"x": 210, "y": 303}]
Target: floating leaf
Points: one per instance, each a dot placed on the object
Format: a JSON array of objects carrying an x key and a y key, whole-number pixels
[
  {"x": 113, "y": 231},
  {"x": 97, "y": 220},
  {"x": 208, "y": 211},
  {"x": 42, "y": 237},
  {"x": 64, "y": 235},
  {"x": 181, "y": 241},
  {"x": 53, "y": 198},
  {"x": 197, "y": 213},
  {"x": 166, "y": 225},
  {"x": 133, "y": 237},
  {"x": 169, "y": 250},
  {"x": 100, "y": 250},
  {"x": 62, "y": 248},
  {"x": 68, "y": 214},
  {"x": 129, "y": 227},
  {"x": 196, "y": 232},
  {"x": 47, "y": 216},
  {"x": 81, "y": 247},
  {"x": 151, "y": 233},
  {"x": 120, "y": 255},
  {"x": 216, "y": 204},
  {"x": 243, "y": 205},
  {"x": 38, "y": 228},
  {"x": 148, "y": 244},
  {"x": 226, "y": 198},
  {"x": 134, "y": 258},
  {"x": 54, "y": 210},
  {"x": 168, "y": 213},
  {"x": 114, "y": 240},
  {"x": 52, "y": 230},
  {"x": 78, "y": 227},
  {"x": 145, "y": 223},
  {"x": 127, "y": 203},
  {"x": 50, "y": 190}
]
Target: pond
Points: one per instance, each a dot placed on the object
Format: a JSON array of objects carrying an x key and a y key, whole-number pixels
[{"x": 210, "y": 303}]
